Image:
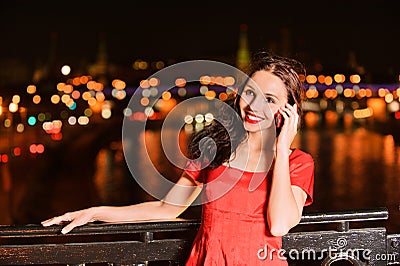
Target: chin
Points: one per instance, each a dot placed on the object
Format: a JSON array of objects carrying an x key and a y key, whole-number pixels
[
  {"x": 265, "y": 126},
  {"x": 252, "y": 127}
]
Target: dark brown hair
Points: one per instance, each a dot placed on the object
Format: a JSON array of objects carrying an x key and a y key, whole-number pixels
[
  {"x": 287, "y": 69},
  {"x": 222, "y": 136}
]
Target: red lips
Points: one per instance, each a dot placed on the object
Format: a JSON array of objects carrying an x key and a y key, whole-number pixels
[{"x": 252, "y": 118}]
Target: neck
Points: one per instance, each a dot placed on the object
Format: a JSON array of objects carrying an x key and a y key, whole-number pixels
[
  {"x": 254, "y": 141},
  {"x": 260, "y": 142},
  {"x": 255, "y": 153}
]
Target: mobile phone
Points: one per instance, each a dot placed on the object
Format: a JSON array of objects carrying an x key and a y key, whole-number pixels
[{"x": 278, "y": 122}]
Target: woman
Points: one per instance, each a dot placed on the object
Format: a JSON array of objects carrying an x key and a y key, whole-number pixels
[{"x": 255, "y": 186}]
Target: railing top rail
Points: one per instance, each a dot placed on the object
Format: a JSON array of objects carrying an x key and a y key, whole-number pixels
[
  {"x": 346, "y": 216},
  {"x": 179, "y": 224},
  {"x": 101, "y": 228}
]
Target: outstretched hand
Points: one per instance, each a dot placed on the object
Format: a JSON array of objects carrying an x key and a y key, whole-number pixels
[{"x": 76, "y": 218}]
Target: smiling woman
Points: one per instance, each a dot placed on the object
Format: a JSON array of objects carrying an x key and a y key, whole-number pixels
[{"x": 256, "y": 186}]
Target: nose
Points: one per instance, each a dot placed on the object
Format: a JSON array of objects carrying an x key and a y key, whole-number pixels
[{"x": 260, "y": 106}]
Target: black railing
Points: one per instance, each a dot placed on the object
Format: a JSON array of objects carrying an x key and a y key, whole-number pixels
[{"x": 169, "y": 242}]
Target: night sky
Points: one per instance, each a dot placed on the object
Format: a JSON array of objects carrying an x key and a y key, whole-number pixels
[{"x": 322, "y": 32}]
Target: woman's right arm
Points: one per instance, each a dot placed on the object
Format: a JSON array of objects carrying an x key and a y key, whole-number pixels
[{"x": 177, "y": 200}]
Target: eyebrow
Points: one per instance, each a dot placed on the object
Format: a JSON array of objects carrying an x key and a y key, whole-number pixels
[{"x": 270, "y": 94}]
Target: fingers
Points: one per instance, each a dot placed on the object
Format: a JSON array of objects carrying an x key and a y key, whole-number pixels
[
  {"x": 72, "y": 225},
  {"x": 67, "y": 217},
  {"x": 57, "y": 220},
  {"x": 290, "y": 114},
  {"x": 76, "y": 218},
  {"x": 290, "y": 109},
  {"x": 290, "y": 126},
  {"x": 60, "y": 219}
]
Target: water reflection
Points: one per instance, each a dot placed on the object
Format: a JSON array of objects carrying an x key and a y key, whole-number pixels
[
  {"x": 109, "y": 175},
  {"x": 354, "y": 168},
  {"x": 5, "y": 216}
]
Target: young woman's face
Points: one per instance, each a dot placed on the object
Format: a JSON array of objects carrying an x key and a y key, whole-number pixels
[{"x": 263, "y": 95}]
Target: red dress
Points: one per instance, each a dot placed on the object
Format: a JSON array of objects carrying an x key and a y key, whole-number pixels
[{"x": 234, "y": 230}]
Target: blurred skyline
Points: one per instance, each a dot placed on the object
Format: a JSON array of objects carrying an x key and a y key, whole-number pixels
[{"x": 328, "y": 37}]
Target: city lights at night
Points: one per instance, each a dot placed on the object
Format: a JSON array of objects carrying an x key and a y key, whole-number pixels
[{"x": 74, "y": 76}]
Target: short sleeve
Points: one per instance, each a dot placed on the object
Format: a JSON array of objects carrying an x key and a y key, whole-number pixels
[
  {"x": 301, "y": 167},
  {"x": 194, "y": 170}
]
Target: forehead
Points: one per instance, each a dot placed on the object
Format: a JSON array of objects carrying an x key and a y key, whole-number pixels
[{"x": 268, "y": 83}]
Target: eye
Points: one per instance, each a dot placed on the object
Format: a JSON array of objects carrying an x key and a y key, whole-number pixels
[
  {"x": 270, "y": 99},
  {"x": 249, "y": 92}
]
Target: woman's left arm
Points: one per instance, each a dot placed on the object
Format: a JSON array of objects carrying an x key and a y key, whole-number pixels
[{"x": 286, "y": 202}]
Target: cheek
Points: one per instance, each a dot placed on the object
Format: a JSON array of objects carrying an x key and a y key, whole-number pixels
[
  {"x": 274, "y": 108},
  {"x": 270, "y": 108},
  {"x": 277, "y": 106},
  {"x": 242, "y": 106}
]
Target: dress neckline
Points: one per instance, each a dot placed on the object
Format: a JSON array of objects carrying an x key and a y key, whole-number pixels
[{"x": 227, "y": 166}]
